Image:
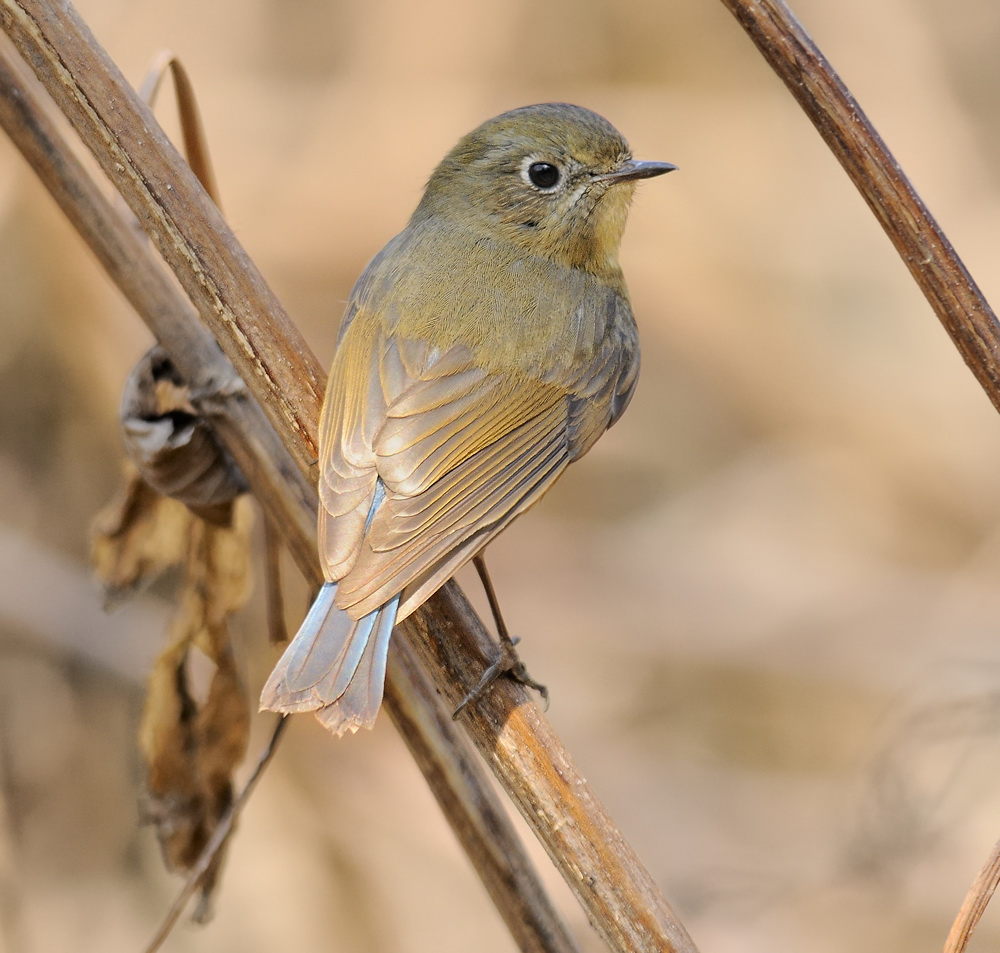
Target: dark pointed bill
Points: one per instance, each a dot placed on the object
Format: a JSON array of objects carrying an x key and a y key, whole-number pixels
[{"x": 638, "y": 169}]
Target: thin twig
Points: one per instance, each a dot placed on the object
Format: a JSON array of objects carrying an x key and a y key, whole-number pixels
[
  {"x": 974, "y": 906},
  {"x": 274, "y": 596},
  {"x": 284, "y": 492},
  {"x": 924, "y": 248},
  {"x": 217, "y": 841},
  {"x": 621, "y": 899}
]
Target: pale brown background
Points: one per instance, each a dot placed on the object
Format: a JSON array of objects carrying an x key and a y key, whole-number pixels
[{"x": 766, "y": 605}]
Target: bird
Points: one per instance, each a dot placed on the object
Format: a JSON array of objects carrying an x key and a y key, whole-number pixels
[{"x": 483, "y": 349}]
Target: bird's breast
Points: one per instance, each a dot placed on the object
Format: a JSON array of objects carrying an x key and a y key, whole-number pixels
[{"x": 519, "y": 314}]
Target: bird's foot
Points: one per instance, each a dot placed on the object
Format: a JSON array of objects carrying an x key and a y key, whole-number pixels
[{"x": 508, "y": 663}]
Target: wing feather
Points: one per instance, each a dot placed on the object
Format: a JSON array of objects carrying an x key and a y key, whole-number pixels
[
  {"x": 430, "y": 552},
  {"x": 469, "y": 494},
  {"x": 414, "y": 514},
  {"x": 353, "y": 409},
  {"x": 488, "y": 416}
]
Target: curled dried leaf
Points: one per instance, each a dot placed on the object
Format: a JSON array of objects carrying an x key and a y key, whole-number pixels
[
  {"x": 174, "y": 448},
  {"x": 183, "y": 506},
  {"x": 195, "y": 143}
]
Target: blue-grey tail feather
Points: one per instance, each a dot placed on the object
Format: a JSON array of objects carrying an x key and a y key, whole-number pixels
[
  {"x": 333, "y": 665},
  {"x": 360, "y": 702}
]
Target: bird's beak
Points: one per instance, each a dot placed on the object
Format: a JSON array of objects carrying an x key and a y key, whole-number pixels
[{"x": 637, "y": 169}]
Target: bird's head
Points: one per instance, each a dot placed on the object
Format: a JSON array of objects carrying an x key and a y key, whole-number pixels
[{"x": 554, "y": 179}]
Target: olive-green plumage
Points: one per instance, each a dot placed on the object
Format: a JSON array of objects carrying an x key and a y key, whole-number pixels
[{"x": 487, "y": 346}]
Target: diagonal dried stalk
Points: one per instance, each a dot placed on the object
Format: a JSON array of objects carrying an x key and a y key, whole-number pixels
[
  {"x": 975, "y": 903},
  {"x": 924, "y": 248},
  {"x": 618, "y": 894},
  {"x": 455, "y": 778}
]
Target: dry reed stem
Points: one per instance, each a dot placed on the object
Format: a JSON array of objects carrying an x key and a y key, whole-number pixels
[
  {"x": 620, "y": 897},
  {"x": 495, "y": 852},
  {"x": 924, "y": 248},
  {"x": 491, "y": 842},
  {"x": 975, "y": 903}
]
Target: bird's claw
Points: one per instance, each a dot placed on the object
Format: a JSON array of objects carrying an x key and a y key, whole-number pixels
[{"x": 507, "y": 662}]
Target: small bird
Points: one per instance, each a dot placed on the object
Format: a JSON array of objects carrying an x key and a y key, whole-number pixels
[{"x": 485, "y": 348}]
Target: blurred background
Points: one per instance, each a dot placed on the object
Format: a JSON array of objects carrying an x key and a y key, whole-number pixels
[{"x": 766, "y": 605}]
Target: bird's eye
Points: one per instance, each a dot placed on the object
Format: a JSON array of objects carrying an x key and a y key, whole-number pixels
[{"x": 543, "y": 174}]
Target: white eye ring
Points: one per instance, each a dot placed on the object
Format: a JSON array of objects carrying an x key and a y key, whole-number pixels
[{"x": 540, "y": 174}]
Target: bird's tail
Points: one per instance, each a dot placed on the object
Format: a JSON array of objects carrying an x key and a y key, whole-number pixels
[{"x": 334, "y": 666}]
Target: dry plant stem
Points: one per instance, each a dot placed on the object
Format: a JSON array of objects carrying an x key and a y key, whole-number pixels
[
  {"x": 933, "y": 263},
  {"x": 216, "y": 842},
  {"x": 278, "y": 484},
  {"x": 624, "y": 904},
  {"x": 975, "y": 904},
  {"x": 617, "y": 892},
  {"x": 528, "y": 930},
  {"x": 274, "y": 596},
  {"x": 928, "y": 254}
]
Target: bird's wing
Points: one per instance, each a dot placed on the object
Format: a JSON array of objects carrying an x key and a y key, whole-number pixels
[
  {"x": 427, "y": 456},
  {"x": 353, "y": 411}
]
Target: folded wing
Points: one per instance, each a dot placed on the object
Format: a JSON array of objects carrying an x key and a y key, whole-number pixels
[{"x": 457, "y": 451}]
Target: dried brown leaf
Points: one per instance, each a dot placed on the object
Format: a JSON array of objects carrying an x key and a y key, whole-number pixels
[
  {"x": 181, "y": 506},
  {"x": 137, "y": 537},
  {"x": 192, "y": 742}
]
